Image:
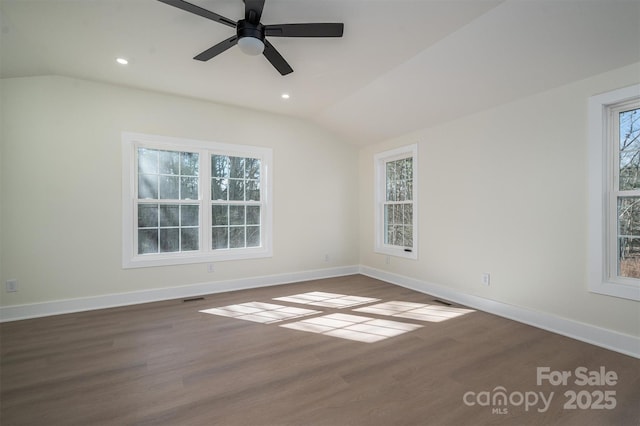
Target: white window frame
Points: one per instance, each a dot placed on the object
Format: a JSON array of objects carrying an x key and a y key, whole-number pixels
[
  {"x": 380, "y": 160},
  {"x": 130, "y": 257},
  {"x": 603, "y": 170}
]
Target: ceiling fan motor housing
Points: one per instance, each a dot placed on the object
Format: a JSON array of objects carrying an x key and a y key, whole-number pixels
[{"x": 245, "y": 28}]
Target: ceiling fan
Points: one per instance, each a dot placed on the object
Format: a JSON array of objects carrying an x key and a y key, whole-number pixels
[{"x": 251, "y": 33}]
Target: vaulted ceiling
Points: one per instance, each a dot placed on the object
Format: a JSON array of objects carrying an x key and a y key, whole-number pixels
[{"x": 401, "y": 65}]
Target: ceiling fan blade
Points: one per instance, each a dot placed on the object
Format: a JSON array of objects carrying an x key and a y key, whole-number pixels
[
  {"x": 188, "y": 7},
  {"x": 276, "y": 59},
  {"x": 253, "y": 10},
  {"x": 217, "y": 49},
  {"x": 305, "y": 30}
]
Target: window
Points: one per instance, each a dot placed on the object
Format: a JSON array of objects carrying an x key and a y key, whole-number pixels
[
  {"x": 396, "y": 206},
  {"x": 167, "y": 219},
  {"x": 188, "y": 201},
  {"x": 235, "y": 208},
  {"x": 614, "y": 190}
]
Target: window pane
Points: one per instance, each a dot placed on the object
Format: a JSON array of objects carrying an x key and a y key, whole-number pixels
[
  {"x": 629, "y": 257},
  {"x": 629, "y": 216},
  {"x": 219, "y": 215},
  {"x": 237, "y": 167},
  {"x": 236, "y": 215},
  {"x": 401, "y": 190},
  {"x": 147, "y": 241},
  {"x": 391, "y": 218},
  {"x": 189, "y": 215},
  {"x": 220, "y": 238},
  {"x": 398, "y": 224},
  {"x": 169, "y": 187},
  {"x": 397, "y": 213},
  {"x": 629, "y": 132},
  {"x": 167, "y": 219},
  {"x": 407, "y": 169},
  {"x": 407, "y": 217},
  {"x": 220, "y": 166},
  {"x": 252, "y": 190},
  {"x": 169, "y": 240},
  {"x": 147, "y": 161},
  {"x": 398, "y": 235},
  {"x": 219, "y": 189},
  {"x": 148, "y": 187},
  {"x": 169, "y": 162},
  {"x": 169, "y": 215},
  {"x": 391, "y": 190},
  {"x": 252, "y": 168},
  {"x": 399, "y": 180},
  {"x": 389, "y": 235},
  {"x": 391, "y": 171},
  {"x": 189, "y": 188},
  {"x": 408, "y": 236},
  {"x": 253, "y": 236},
  {"x": 253, "y": 215},
  {"x": 399, "y": 165},
  {"x": 147, "y": 216},
  {"x": 629, "y": 237},
  {"x": 236, "y": 237},
  {"x": 189, "y": 241},
  {"x": 236, "y": 190},
  {"x": 189, "y": 163},
  {"x": 629, "y": 170}
]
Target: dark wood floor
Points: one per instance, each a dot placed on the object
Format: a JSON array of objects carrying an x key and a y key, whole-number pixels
[{"x": 166, "y": 363}]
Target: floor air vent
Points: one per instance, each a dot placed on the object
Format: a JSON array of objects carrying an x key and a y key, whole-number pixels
[{"x": 193, "y": 299}]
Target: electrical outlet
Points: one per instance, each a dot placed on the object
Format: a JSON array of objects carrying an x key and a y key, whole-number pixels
[
  {"x": 486, "y": 278},
  {"x": 12, "y": 286},
  {"x": 326, "y": 257},
  {"x": 210, "y": 267}
]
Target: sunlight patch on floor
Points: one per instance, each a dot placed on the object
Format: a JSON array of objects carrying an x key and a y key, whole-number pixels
[
  {"x": 266, "y": 313},
  {"x": 345, "y": 326},
  {"x": 417, "y": 311},
  {"x": 353, "y": 327},
  {"x": 329, "y": 300}
]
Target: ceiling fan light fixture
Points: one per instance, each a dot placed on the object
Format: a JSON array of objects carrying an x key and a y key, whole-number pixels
[{"x": 251, "y": 46}]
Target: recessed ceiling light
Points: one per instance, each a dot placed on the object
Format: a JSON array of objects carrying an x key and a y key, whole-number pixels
[
  {"x": 122, "y": 61},
  {"x": 285, "y": 96}
]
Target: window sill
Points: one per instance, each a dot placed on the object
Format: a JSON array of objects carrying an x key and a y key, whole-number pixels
[
  {"x": 624, "y": 291},
  {"x": 397, "y": 252},
  {"x": 154, "y": 260}
]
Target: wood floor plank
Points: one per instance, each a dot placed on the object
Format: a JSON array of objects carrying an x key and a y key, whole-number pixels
[{"x": 167, "y": 363}]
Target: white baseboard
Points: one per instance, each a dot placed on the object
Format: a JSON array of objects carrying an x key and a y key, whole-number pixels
[
  {"x": 56, "y": 307},
  {"x": 623, "y": 343}
]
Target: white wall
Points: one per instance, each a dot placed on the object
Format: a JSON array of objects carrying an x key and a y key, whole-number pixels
[
  {"x": 504, "y": 191},
  {"x": 61, "y": 187}
]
